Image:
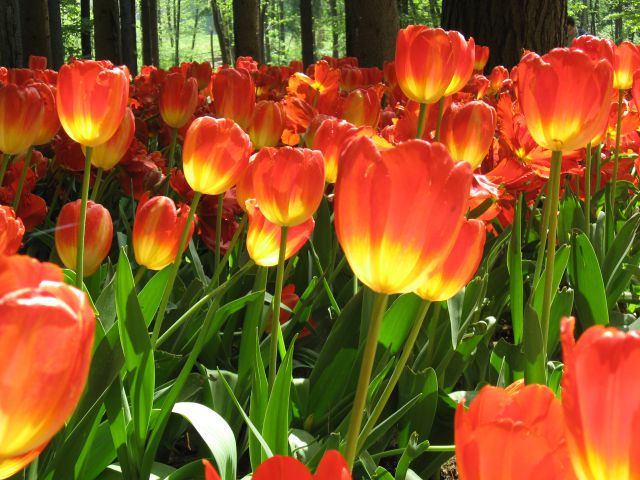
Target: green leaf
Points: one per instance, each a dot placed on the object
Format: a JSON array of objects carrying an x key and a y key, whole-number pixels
[
  {"x": 514, "y": 264},
  {"x": 151, "y": 295},
  {"x": 561, "y": 307},
  {"x": 397, "y": 322},
  {"x": 276, "y": 419},
  {"x": 534, "y": 353},
  {"x": 420, "y": 418},
  {"x": 323, "y": 233},
  {"x": 258, "y": 406}
]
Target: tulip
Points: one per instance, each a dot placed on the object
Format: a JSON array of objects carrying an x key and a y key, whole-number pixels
[
  {"x": 50, "y": 122},
  {"x": 97, "y": 238},
  {"x": 362, "y": 107},
  {"x": 626, "y": 62},
  {"x": 464, "y": 59},
  {"x": 210, "y": 472},
  {"x": 636, "y": 89},
  {"x": 601, "y": 402},
  {"x": 331, "y": 138},
  {"x": 267, "y": 124},
  {"x": 244, "y": 188},
  {"x": 178, "y": 99},
  {"x": 215, "y": 154},
  {"x": 157, "y": 230},
  {"x": 263, "y": 237},
  {"x": 21, "y": 113},
  {"x": 37, "y": 62},
  {"x": 200, "y": 71},
  {"x": 46, "y": 337},
  {"x": 597, "y": 48},
  {"x": 331, "y": 467},
  {"x": 468, "y": 131},
  {"x": 290, "y": 184},
  {"x": 108, "y": 154},
  {"x": 11, "y": 231},
  {"x": 481, "y": 58},
  {"x": 234, "y": 95},
  {"x": 513, "y": 433}
]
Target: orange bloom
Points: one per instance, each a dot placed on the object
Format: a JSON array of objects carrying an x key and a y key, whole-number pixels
[
  {"x": 200, "y": 71},
  {"x": 565, "y": 97},
  {"x": 46, "y": 336},
  {"x": 401, "y": 206},
  {"x": 320, "y": 90},
  {"x": 362, "y": 107},
  {"x": 332, "y": 467},
  {"x": 97, "y": 237},
  {"x": 50, "y": 122},
  {"x": 215, "y": 154},
  {"x": 157, "y": 230},
  {"x": 626, "y": 62},
  {"x": 37, "y": 62},
  {"x": 331, "y": 138},
  {"x": 210, "y": 472},
  {"x": 178, "y": 99},
  {"x": 108, "y": 154},
  {"x": 11, "y": 231},
  {"x": 467, "y": 131},
  {"x": 267, "y": 124},
  {"x": 597, "y": 48},
  {"x": 636, "y": 89},
  {"x": 601, "y": 401},
  {"x": 458, "y": 267},
  {"x": 91, "y": 98},
  {"x": 464, "y": 59},
  {"x": 244, "y": 187},
  {"x": 288, "y": 184},
  {"x": 497, "y": 78},
  {"x": 481, "y": 58},
  {"x": 21, "y": 112},
  {"x": 234, "y": 95},
  {"x": 514, "y": 433},
  {"x": 263, "y": 237}
]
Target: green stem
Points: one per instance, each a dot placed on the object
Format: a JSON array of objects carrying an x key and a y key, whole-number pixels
[
  {"x": 587, "y": 191},
  {"x": 172, "y": 153},
  {"x": 216, "y": 259},
  {"x": 325, "y": 284},
  {"x": 616, "y": 157},
  {"x": 275, "y": 307},
  {"x": 96, "y": 184},
  {"x": 225, "y": 258},
  {"x": 3, "y": 168},
  {"x": 139, "y": 274},
  {"x": 399, "y": 451},
  {"x": 421, "y": 115},
  {"x": 174, "y": 271},
  {"x": 368, "y": 357},
  {"x": 598, "y": 167},
  {"x": 397, "y": 373},
  {"x": 439, "y": 119},
  {"x": 83, "y": 217},
  {"x": 554, "y": 196},
  {"x": 544, "y": 227},
  {"x": 32, "y": 471},
  {"x": 23, "y": 177}
]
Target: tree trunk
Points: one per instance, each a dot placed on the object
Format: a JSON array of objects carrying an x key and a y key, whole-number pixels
[
  {"x": 85, "y": 28},
  {"x": 177, "y": 25},
  {"x": 508, "y": 26},
  {"x": 106, "y": 30},
  {"x": 333, "y": 12},
  {"x": 281, "y": 47},
  {"x": 221, "y": 31},
  {"x": 265, "y": 28},
  {"x": 306, "y": 28},
  {"x": 55, "y": 28},
  {"x": 149, "y": 21},
  {"x": 196, "y": 19},
  {"x": 153, "y": 21},
  {"x": 372, "y": 27},
  {"x": 617, "y": 24},
  {"x": 246, "y": 28},
  {"x": 171, "y": 24},
  {"x": 10, "y": 34},
  {"x": 36, "y": 39},
  {"x": 128, "y": 31}
]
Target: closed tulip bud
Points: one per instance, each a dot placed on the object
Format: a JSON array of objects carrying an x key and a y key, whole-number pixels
[
  {"x": 288, "y": 184},
  {"x": 215, "y": 154},
  {"x": 263, "y": 237},
  {"x": 46, "y": 337},
  {"x": 234, "y": 95},
  {"x": 50, "y": 122},
  {"x": 467, "y": 131},
  {"x": 97, "y": 237},
  {"x": 565, "y": 97},
  {"x": 464, "y": 59},
  {"x": 178, "y": 99},
  {"x": 267, "y": 124},
  {"x": 362, "y": 107},
  {"x": 332, "y": 467},
  {"x": 400, "y": 207},
  {"x": 91, "y": 98},
  {"x": 21, "y": 112},
  {"x": 331, "y": 138},
  {"x": 201, "y": 72},
  {"x": 512, "y": 433},
  {"x": 108, "y": 154},
  {"x": 626, "y": 62},
  {"x": 601, "y": 402},
  {"x": 11, "y": 231},
  {"x": 458, "y": 267},
  {"x": 481, "y": 58},
  {"x": 157, "y": 231},
  {"x": 597, "y": 48}
]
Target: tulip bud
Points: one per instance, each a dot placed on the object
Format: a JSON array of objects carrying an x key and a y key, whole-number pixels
[
  {"x": 50, "y": 122},
  {"x": 626, "y": 62},
  {"x": 244, "y": 188},
  {"x": 481, "y": 58},
  {"x": 331, "y": 138},
  {"x": 267, "y": 124},
  {"x": 97, "y": 238},
  {"x": 178, "y": 99},
  {"x": 362, "y": 107},
  {"x": 108, "y": 154},
  {"x": 332, "y": 467},
  {"x": 209, "y": 472},
  {"x": 11, "y": 231},
  {"x": 234, "y": 95},
  {"x": 21, "y": 113}
]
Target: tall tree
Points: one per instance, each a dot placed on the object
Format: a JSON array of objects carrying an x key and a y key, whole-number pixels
[
  {"x": 246, "y": 28},
  {"x": 306, "y": 27},
  {"x": 36, "y": 39},
  {"x": 55, "y": 29},
  {"x": 333, "y": 11},
  {"x": 508, "y": 26},
  {"x": 372, "y": 26},
  {"x": 10, "y": 34},
  {"x": 106, "y": 15},
  {"x": 177, "y": 10},
  {"x": 85, "y": 27},
  {"x": 221, "y": 31},
  {"x": 128, "y": 35}
]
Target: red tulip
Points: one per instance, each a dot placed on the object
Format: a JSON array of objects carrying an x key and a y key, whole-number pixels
[
  {"x": 362, "y": 107},
  {"x": 21, "y": 113},
  {"x": 91, "y": 98},
  {"x": 97, "y": 237},
  {"x": 209, "y": 472},
  {"x": 50, "y": 122},
  {"x": 332, "y": 467},
  {"x": 467, "y": 131},
  {"x": 601, "y": 401},
  {"x": 178, "y": 99},
  {"x": 200, "y": 71},
  {"x": 37, "y": 62},
  {"x": 481, "y": 58},
  {"x": 234, "y": 95},
  {"x": 464, "y": 59},
  {"x": 11, "y": 231},
  {"x": 626, "y": 63},
  {"x": 597, "y": 48},
  {"x": 636, "y": 89},
  {"x": 331, "y": 138},
  {"x": 244, "y": 187},
  {"x": 108, "y": 154},
  {"x": 267, "y": 124}
]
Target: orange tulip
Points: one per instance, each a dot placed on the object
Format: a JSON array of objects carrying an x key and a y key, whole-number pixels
[
  {"x": 157, "y": 230},
  {"x": 565, "y": 97},
  {"x": 597, "y": 48},
  {"x": 457, "y": 268},
  {"x": 210, "y": 472},
  {"x": 215, "y": 154},
  {"x": 601, "y": 401},
  {"x": 91, "y": 98},
  {"x": 481, "y": 58},
  {"x": 288, "y": 184},
  {"x": 626, "y": 62},
  {"x": 244, "y": 187},
  {"x": 234, "y": 95},
  {"x": 514, "y": 433},
  {"x": 178, "y": 99},
  {"x": 97, "y": 237},
  {"x": 467, "y": 131},
  {"x": 11, "y": 231},
  {"x": 108, "y": 154},
  {"x": 332, "y": 467},
  {"x": 331, "y": 138},
  {"x": 401, "y": 206},
  {"x": 362, "y": 107},
  {"x": 21, "y": 113},
  {"x": 636, "y": 89},
  {"x": 267, "y": 124},
  {"x": 464, "y": 59},
  {"x": 50, "y": 122},
  {"x": 46, "y": 336},
  {"x": 263, "y": 237}
]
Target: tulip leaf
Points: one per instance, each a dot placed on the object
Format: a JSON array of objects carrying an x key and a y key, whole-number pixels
[
  {"x": 397, "y": 322},
  {"x": 275, "y": 429},
  {"x": 561, "y": 307},
  {"x": 323, "y": 233},
  {"x": 534, "y": 353},
  {"x": 514, "y": 264},
  {"x": 257, "y": 406},
  {"x": 420, "y": 418},
  {"x": 151, "y": 295},
  {"x": 559, "y": 266},
  {"x": 616, "y": 280}
]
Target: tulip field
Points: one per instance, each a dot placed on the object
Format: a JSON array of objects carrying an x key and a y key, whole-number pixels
[{"x": 274, "y": 272}]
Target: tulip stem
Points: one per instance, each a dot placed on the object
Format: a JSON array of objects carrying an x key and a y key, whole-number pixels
[
  {"x": 172, "y": 153},
  {"x": 96, "y": 184},
  {"x": 139, "y": 274},
  {"x": 216, "y": 260},
  {"x": 439, "y": 119},
  {"x": 3, "y": 168},
  {"x": 421, "y": 115},
  {"x": 544, "y": 227},
  {"x": 368, "y": 358},
  {"x": 616, "y": 157},
  {"x": 275, "y": 307},
  {"x": 554, "y": 195},
  {"x": 598, "y": 167},
  {"x": 587, "y": 191},
  {"x": 174, "y": 270},
  {"x": 23, "y": 177},
  {"x": 83, "y": 217},
  {"x": 32, "y": 471},
  {"x": 397, "y": 373},
  {"x": 225, "y": 258}
]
